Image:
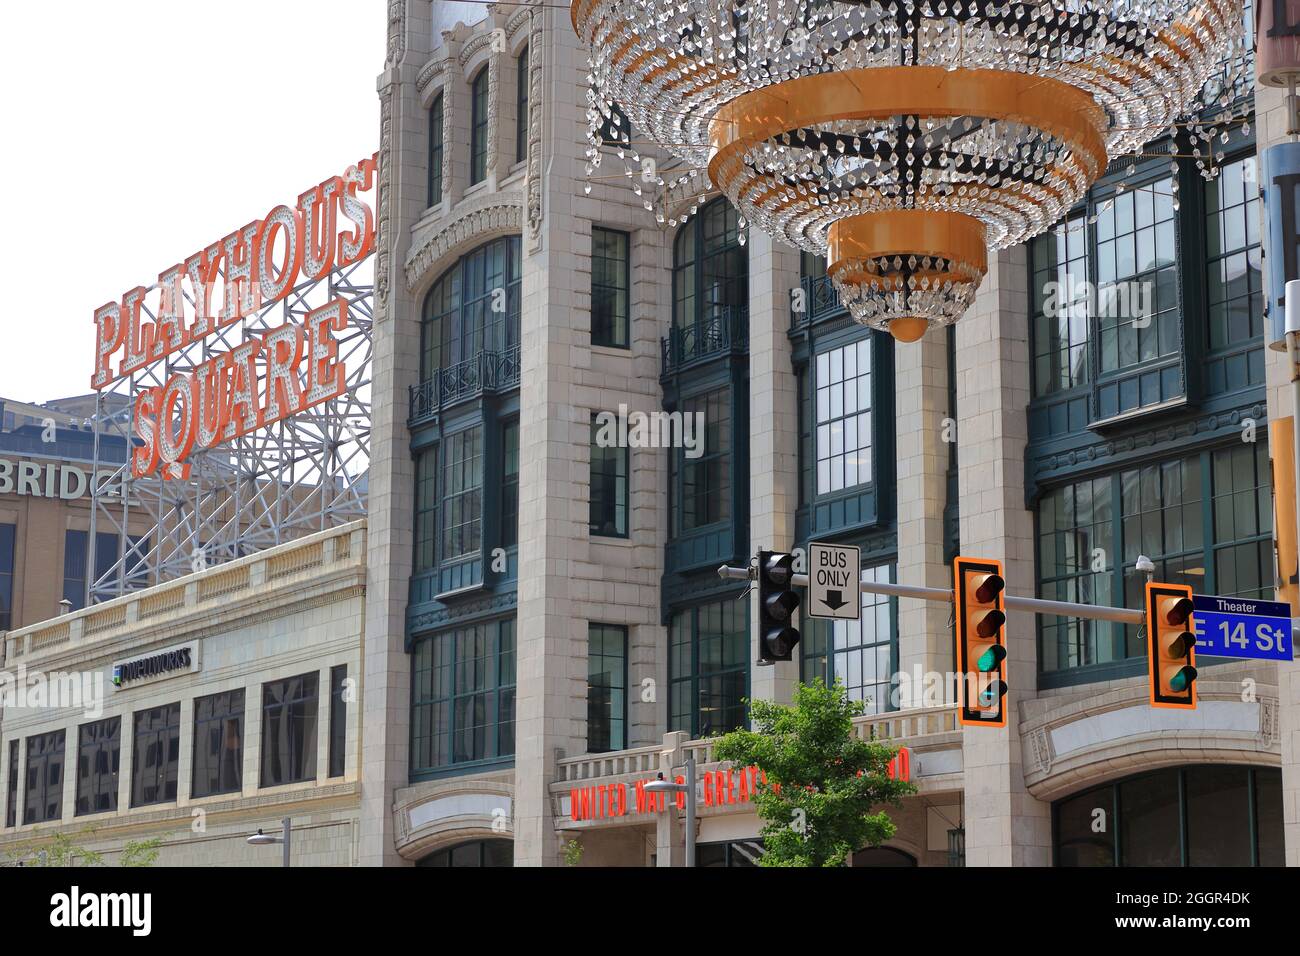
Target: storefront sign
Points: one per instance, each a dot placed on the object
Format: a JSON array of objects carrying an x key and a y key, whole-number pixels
[
  {"x": 50, "y": 479},
  {"x": 1239, "y": 627},
  {"x": 157, "y": 665},
  {"x": 264, "y": 378},
  {"x": 714, "y": 788}
]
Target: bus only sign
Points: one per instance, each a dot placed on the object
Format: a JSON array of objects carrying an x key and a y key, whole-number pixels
[{"x": 1240, "y": 627}]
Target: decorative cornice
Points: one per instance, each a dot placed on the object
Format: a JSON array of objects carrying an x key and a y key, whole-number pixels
[
  {"x": 451, "y": 615},
  {"x": 499, "y": 214},
  {"x": 434, "y": 68},
  {"x": 472, "y": 46}
]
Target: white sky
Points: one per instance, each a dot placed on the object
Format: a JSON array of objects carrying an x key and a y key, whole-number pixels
[{"x": 143, "y": 130}]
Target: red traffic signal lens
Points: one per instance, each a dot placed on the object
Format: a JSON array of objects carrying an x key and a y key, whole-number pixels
[
  {"x": 779, "y": 569},
  {"x": 781, "y": 605},
  {"x": 1181, "y": 644},
  {"x": 988, "y": 623},
  {"x": 988, "y": 587},
  {"x": 1176, "y": 611}
]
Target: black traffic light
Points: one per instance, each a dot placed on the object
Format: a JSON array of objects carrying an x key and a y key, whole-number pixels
[
  {"x": 1171, "y": 646},
  {"x": 777, "y": 602},
  {"x": 981, "y": 643}
]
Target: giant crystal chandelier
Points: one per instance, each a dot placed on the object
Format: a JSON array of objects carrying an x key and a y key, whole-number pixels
[{"x": 903, "y": 140}]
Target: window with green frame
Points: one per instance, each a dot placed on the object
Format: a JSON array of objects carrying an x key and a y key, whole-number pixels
[
  {"x": 1205, "y": 520},
  {"x": 708, "y": 668},
  {"x": 610, "y": 469},
  {"x": 462, "y": 493},
  {"x": 710, "y": 266},
  {"x": 1061, "y": 313},
  {"x": 426, "y": 510},
  {"x": 510, "y": 484},
  {"x": 842, "y": 440},
  {"x": 521, "y": 106},
  {"x": 700, "y": 488},
  {"x": 463, "y": 696},
  {"x": 478, "y": 131},
  {"x": 606, "y": 688},
  {"x": 435, "y": 151},
  {"x": 473, "y": 307},
  {"x": 1234, "y": 296},
  {"x": 863, "y": 654},
  {"x": 610, "y": 288}
]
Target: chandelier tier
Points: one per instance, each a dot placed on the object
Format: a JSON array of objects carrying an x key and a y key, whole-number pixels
[{"x": 901, "y": 140}]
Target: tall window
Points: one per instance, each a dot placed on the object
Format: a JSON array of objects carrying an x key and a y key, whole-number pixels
[
  {"x": 609, "y": 287},
  {"x": 44, "y": 778},
  {"x": 863, "y": 654},
  {"x": 510, "y": 484},
  {"x": 338, "y": 719},
  {"x": 11, "y": 797},
  {"x": 710, "y": 268},
  {"x": 426, "y": 509},
  {"x": 606, "y": 688},
  {"x": 844, "y": 417},
  {"x": 155, "y": 763},
  {"x": 463, "y": 696},
  {"x": 74, "y": 562},
  {"x": 1061, "y": 314},
  {"x": 218, "y": 744},
  {"x": 702, "y": 485},
  {"x": 478, "y": 133},
  {"x": 1157, "y": 510},
  {"x": 473, "y": 307},
  {"x": 1233, "y": 274},
  {"x": 609, "y": 484},
  {"x": 99, "y": 752},
  {"x": 7, "y": 536},
  {"x": 462, "y": 493},
  {"x": 708, "y": 667},
  {"x": 521, "y": 107},
  {"x": 435, "y": 151},
  {"x": 289, "y": 709}
]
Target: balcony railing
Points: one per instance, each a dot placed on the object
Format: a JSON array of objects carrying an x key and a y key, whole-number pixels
[
  {"x": 724, "y": 331},
  {"x": 486, "y": 372},
  {"x": 819, "y": 300}
]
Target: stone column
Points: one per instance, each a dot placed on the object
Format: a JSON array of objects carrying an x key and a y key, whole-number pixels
[
  {"x": 385, "y": 666},
  {"x": 773, "y": 432},
  {"x": 923, "y": 435},
  {"x": 1005, "y": 826}
]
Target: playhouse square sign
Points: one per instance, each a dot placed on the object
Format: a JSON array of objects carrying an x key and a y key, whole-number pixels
[{"x": 264, "y": 378}]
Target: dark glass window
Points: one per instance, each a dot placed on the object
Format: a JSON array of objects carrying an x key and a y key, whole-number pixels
[
  {"x": 521, "y": 107},
  {"x": 1061, "y": 313},
  {"x": 479, "y": 853},
  {"x": 710, "y": 268},
  {"x": 606, "y": 688},
  {"x": 462, "y": 493},
  {"x": 155, "y": 762},
  {"x": 7, "y": 534},
  {"x": 426, "y": 509},
  {"x": 472, "y": 308},
  {"x": 737, "y": 853},
  {"x": 435, "y": 151},
  {"x": 1233, "y": 277},
  {"x": 74, "y": 562},
  {"x": 510, "y": 484},
  {"x": 609, "y": 484},
  {"x": 99, "y": 754},
  {"x": 218, "y": 744},
  {"x": 1216, "y": 815},
  {"x": 11, "y": 798},
  {"x": 478, "y": 133},
  {"x": 708, "y": 668},
  {"x": 843, "y": 417},
  {"x": 44, "y": 777},
  {"x": 701, "y": 486},
  {"x": 616, "y": 130},
  {"x": 463, "y": 696},
  {"x": 610, "y": 288},
  {"x": 862, "y": 654},
  {"x": 1156, "y": 510},
  {"x": 338, "y": 719},
  {"x": 289, "y": 709}
]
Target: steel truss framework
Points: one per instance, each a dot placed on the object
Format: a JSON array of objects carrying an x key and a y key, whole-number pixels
[{"x": 303, "y": 474}]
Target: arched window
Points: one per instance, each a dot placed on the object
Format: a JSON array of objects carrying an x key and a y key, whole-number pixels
[
  {"x": 883, "y": 856},
  {"x": 521, "y": 107},
  {"x": 478, "y": 132},
  {"x": 472, "y": 308},
  {"x": 710, "y": 267},
  {"x": 435, "y": 151},
  {"x": 478, "y": 853}
]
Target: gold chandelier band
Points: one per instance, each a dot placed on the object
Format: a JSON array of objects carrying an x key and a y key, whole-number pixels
[
  {"x": 905, "y": 232},
  {"x": 1057, "y": 108}
]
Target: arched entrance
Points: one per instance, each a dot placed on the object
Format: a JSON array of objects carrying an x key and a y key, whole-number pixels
[{"x": 474, "y": 853}]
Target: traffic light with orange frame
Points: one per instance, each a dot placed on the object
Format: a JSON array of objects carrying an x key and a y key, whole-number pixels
[
  {"x": 981, "y": 641},
  {"x": 1171, "y": 645}
]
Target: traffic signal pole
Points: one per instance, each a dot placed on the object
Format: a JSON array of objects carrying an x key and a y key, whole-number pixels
[{"x": 1120, "y": 615}]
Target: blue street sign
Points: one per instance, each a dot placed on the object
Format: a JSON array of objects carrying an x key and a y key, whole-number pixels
[{"x": 1238, "y": 627}]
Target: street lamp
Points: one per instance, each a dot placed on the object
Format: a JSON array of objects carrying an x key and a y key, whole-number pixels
[
  {"x": 667, "y": 786},
  {"x": 265, "y": 839}
]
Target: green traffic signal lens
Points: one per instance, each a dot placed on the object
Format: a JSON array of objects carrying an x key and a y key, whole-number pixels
[
  {"x": 991, "y": 658},
  {"x": 1183, "y": 679}
]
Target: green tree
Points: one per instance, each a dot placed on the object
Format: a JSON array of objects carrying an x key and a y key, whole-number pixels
[{"x": 822, "y": 781}]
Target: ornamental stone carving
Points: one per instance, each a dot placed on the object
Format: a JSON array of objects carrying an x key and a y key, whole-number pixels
[{"x": 496, "y": 215}]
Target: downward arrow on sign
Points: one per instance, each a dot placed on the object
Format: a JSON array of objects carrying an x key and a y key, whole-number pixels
[{"x": 834, "y": 600}]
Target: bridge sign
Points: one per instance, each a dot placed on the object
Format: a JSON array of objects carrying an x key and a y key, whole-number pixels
[
  {"x": 1240, "y": 627},
  {"x": 834, "y": 572}
]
